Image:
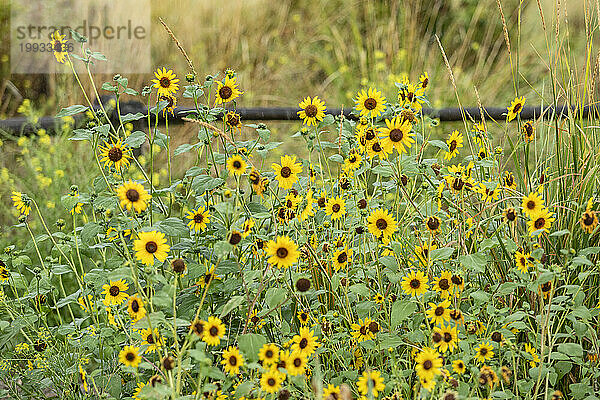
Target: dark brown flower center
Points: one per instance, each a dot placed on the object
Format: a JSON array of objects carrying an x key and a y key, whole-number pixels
[
  {"x": 269, "y": 353},
  {"x": 225, "y": 92},
  {"x": 415, "y": 283},
  {"x": 237, "y": 164},
  {"x": 483, "y": 351},
  {"x": 531, "y": 205},
  {"x": 214, "y": 331},
  {"x": 115, "y": 154},
  {"x": 235, "y": 238},
  {"x": 370, "y": 103},
  {"x": 436, "y": 337},
  {"x": 396, "y": 135},
  {"x": 233, "y": 361},
  {"x": 311, "y": 110},
  {"x": 271, "y": 382},
  {"x": 114, "y": 291},
  {"x": 282, "y": 252},
  {"x": 510, "y": 215},
  {"x": 165, "y": 82},
  {"x": 233, "y": 119},
  {"x": 381, "y": 224},
  {"x": 370, "y": 134},
  {"x": 303, "y": 343},
  {"x": 447, "y": 337},
  {"x": 453, "y": 145},
  {"x": 286, "y": 172},
  {"x": 444, "y": 284},
  {"x": 517, "y": 107},
  {"x": 457, "y": 280},
  {"x": 132, "y": 195},
  {"x": 130, "y": 356},
  {"x": 336, "y": 208},
  {"x": 433, "y": 223},
  {"x": 540, "y": 223},
  {"x": 58, "y": 46},
  {"x": 588, "y": 219},
  {"x": 151, "y": 247},
  {"x": 150, "y": 339},
  {"x": 342, "y": 257},
  {"x": 374, "y": 327},
  {"x": 427, "y": 364},
  {"x": 297, "y": 362},
  {"x": 376, "y": 147},
  {"x": 546, "y": 287},
  {"x": 198, "y": 218},
  {"x": 135, "y": 306},
  {"x": 439, "y": 311}
]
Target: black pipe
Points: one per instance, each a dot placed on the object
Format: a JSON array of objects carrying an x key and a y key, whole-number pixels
[{"x": 21, "y": 125}]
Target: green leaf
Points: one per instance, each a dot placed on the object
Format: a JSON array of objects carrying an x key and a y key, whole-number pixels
[
  {"x": 233, "y": 303},
  {"x": 136, "y": 139},
  {"x": 131, "y": 117},
  {"x": 71, "y": 110},
  {"x": 82, "y": 134},
  {"x": 571, "y": 349},
  {"x": 173, "y": 226},
  {"x": 243, "y": 389},
  {"x": 401, "y": 310},
  {"x": 275, "y": 296},
  {"x": 89, "y": 231},
  {"x": 474, "y": 262},
  {"x": 361, "y": 289},
  {"x": 443, "y": 253},
  {"x": 202, "y": 183},
  {"x": 560, "y": 233},
  {"x": 440, "y": 145},
  {"x": 336, "y": 158},
  {"x": 250, "y": 345}
]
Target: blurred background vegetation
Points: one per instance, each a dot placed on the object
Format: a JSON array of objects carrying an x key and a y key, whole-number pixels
[{"x": 283, "y": 51}]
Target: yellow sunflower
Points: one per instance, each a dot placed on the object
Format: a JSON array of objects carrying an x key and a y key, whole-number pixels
[
  {"x": 208, "y": 276},
  {"x": 129, "y": 356},
  {"x": 443, "y": 284},
  {"x": 236, "y": 165},
  {"x": 214, "y": 331},
  {"x": 428, "y": 364},
  {"x": 532, "y": 353},
  {"x": 509, "y": 215},
  {"x": 335, "y": 207},
  {"x": 454, "y": 142},
  {"x": 227, "y": 90},
  {"x": 540, "y": 222},
  {"x": 132, "y": 195},
  {"x": 116, "y": 155},
  {"x": 449, "y": 337},
  {"x": 370, "y": 382},
  {"x": 305, "y": 342},
  {"x": 381, "y": 224},
  {"x": 296, "y": 363},
  {"x": 232, "y": 360},
  {"x": 271, "y": 380},
  {"x": 282, "y": 252},
  {"x": 166, "y": 82},
  {"x": 150, "y": 246},
  {"x": 508, "y": 180},
  {"x": 287, "y": 172},
  {"x": 352, "y": 163},
  {"x": 308, "y": 210},
  {"x": 396, "y": 135},
  {"x": 415, "y": 283},
  {"x": 269, "y": 354},
  {"x": 522, "y": 261},
  {"x": 259, "y": 183},
  {"x": 589, "y": 221},
  {"x": 59, "y": 47},
  {"x": 370, "y": 103},
  {"x": 459, "y": 366},
  {"x": 135, "y": 307},
  {"x": 433, "y": 224},
  {"x": 528, "y": 132},
  {"x": 341, "y": 258},
  {"x": 151, "y": 339},
  {"x": 422, "y": 253},
  {"x": 438, "y": 313},
  {"x": 115, "y": 292},
  {"x": 198, "y": 218},
  {"x": 515, "y": 108},
  {"x": 532, "y": 204},
  {"x": 21, "y": 202},
  {"x": 5, "y": 273},
  {"x": 484, "y": 352},
  {"x": 313, "y": 111},
  {"x": 360, "y": 330},
  {"x": 374, "y": 148},
  {"x": 331, "y": 392}
]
